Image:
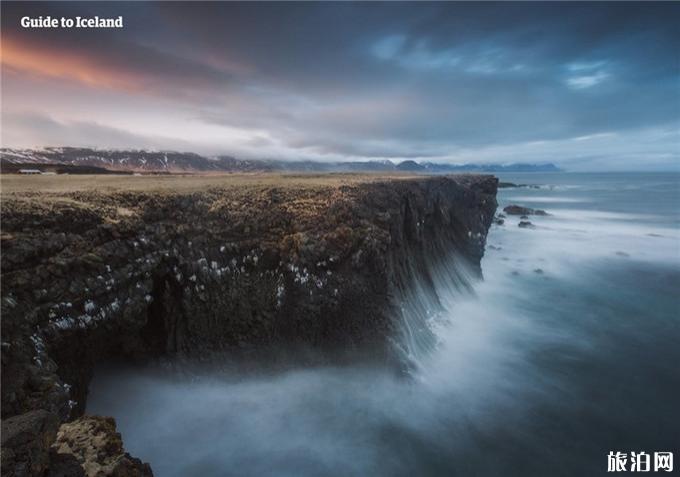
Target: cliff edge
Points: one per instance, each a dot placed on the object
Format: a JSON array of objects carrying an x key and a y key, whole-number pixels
[{"x": 135, "y": 268}]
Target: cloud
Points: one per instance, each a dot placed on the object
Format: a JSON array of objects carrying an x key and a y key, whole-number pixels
[
  {"x": 586, "y": 75},
  {"x": 587, "y": 81},
  {"x": 122, "y": 66},
  {"x": 346, "y": 80},
  {"x": 639, "y": 150},
  {"x": 30, "y": 128}
]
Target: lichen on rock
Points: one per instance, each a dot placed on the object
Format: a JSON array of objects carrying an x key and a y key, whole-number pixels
[{"x": 98, "y": 448}]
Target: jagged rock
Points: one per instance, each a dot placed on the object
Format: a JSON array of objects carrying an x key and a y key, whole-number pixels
[
  {"x": 97, "y": 447},
  {"x": 26, "y": 441},
  {"x": 519, "y": 210}
]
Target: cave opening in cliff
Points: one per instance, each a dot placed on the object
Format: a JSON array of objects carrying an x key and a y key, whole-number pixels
[{"x": 154, "y": 334}]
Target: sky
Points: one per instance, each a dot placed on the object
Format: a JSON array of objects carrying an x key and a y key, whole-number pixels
[{"x": 587, "y": 86}]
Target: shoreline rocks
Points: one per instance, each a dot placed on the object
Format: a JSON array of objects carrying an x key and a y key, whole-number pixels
[
  {"x": 519, "y": 210},
  {"x": 512, "y": 185}
]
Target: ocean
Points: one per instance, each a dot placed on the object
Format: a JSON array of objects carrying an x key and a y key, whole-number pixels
[{"x": 567, "y": 350}]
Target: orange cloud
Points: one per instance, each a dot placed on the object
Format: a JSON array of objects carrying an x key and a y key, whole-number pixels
[{"x": 67, "y": 65}]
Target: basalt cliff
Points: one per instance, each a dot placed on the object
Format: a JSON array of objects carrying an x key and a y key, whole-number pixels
[{"x": 108, "y": 272}]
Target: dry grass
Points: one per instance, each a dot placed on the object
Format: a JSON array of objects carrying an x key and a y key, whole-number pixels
[{"x": 56, "y": 184}]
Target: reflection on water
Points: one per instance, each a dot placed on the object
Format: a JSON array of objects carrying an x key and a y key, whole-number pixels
[{"x": 567, "y": 350}]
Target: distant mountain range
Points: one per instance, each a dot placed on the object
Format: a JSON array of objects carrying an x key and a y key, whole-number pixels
[{"x": 90, "y": 160}]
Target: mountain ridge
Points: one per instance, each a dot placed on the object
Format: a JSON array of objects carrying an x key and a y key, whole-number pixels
[{"x": 149, "y": 161}]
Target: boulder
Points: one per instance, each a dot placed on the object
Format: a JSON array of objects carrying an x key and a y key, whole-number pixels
[
  {"x": 519, "y": 210},
  {"x": 525, "y": 224}
]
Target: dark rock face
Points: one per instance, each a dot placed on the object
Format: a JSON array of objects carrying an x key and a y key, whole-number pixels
[
  {"x": 26, "y": 441},
  {"x": 64, "y": 465},
  {"x": 519, "y": 210},
  {"x": 92, "y": 276}
]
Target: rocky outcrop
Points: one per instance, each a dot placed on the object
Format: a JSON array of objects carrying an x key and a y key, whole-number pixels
[
  {"x": 519, "y": 210},
  {"x": 92, "y": 442},
  {"x": 33, "y": 444},
  {"x": 90, "y": 276},
  {"x": 512, "y": 185}
]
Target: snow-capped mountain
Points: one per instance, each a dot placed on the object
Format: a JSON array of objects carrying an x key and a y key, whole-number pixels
[
  {"x": 86, "y": 160},
  {"x": 119, "y": 160}
]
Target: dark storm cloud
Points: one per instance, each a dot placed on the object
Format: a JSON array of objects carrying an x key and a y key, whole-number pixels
[{"x": 390, "y": 79}]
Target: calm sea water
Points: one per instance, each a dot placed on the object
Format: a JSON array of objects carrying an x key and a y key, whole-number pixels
[{"x": 569, "y": 349}]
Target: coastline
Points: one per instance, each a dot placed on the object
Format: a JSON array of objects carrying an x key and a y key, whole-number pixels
[{"x": 122, "y": 274}]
